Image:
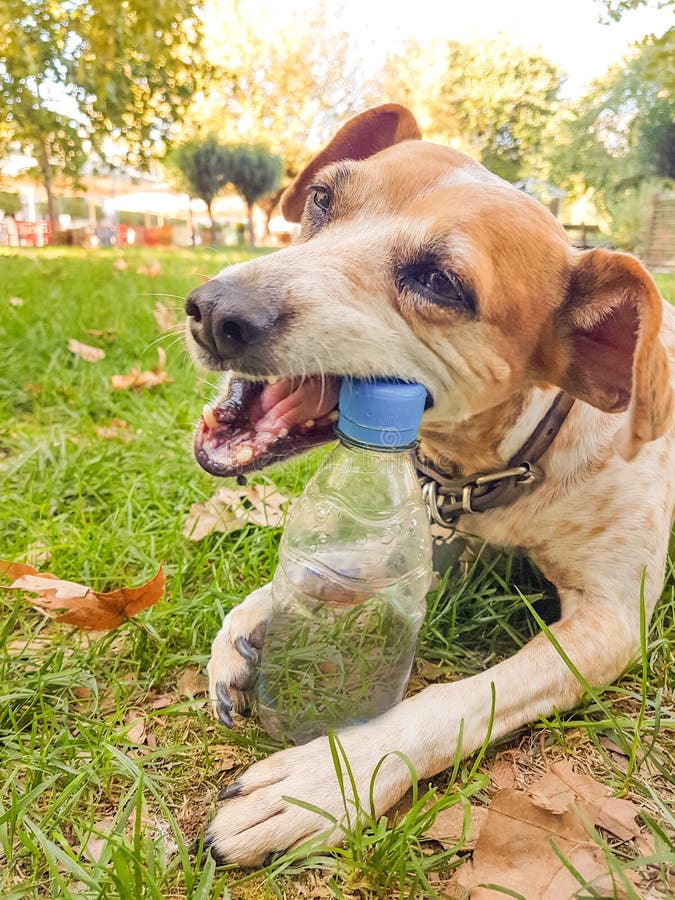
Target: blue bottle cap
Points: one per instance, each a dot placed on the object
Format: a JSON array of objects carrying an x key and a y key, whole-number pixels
[{"x": 384, "y": 414}]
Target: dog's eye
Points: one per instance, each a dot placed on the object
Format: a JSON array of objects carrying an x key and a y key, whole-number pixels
[
  {"x": 437, "y": 282},
  {"x": 321, "y": 198},
  {"x": 439, "y": 287}
]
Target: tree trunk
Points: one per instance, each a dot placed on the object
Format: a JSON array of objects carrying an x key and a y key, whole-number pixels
[
  {"x": 251, "y": 235},
  {"x": 191, "y": 224},
  {"x": 46, "y": 170},
  {"x": 213, "y": 225},
  {"x": 269, "y": 206}
]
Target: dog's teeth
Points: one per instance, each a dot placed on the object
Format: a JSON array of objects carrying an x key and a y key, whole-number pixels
[
  {"x": 272, "y": 379},
  {"x": 309, "y": 423},
  {"x": 283, "y": 433},
  {"x": 333, "y": 416},
  {"x": 209, "y": 416},
  {"x": 243, "y": 456}
]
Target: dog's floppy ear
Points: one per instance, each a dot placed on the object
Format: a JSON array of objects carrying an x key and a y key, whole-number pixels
[
  {"x": 609, "y": 325},
  {"x": 362, "y": 136}
]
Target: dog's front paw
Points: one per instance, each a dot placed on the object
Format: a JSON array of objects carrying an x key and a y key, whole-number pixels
[
  {"x": 258, "y": 816},
  {"x": 232, "y": 668}
]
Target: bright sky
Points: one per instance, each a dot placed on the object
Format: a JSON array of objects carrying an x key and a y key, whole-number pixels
[{"x": 566, "y": 31}]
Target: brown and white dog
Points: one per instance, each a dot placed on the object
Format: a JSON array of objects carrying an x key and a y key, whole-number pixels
[{"x": 414, "y": 261}]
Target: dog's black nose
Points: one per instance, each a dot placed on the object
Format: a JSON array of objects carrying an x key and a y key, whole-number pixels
[{"x": 224, "y": 321}]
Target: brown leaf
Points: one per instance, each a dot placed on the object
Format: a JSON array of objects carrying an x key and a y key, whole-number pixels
[
  {"x": 77, "y": 604},
  {"x": 230, "y": 509},
  {"x": 98, "y": 840},
  {"x": 84, "y": 351},
  {"x": 121, "y": 264},
  {"x": 136, "y": 734},
  {"x": 515, "y": 846},
  {"x": 514, "y": 851},
  {"x": 502, "y": 772},
  {"x": 16, "y": 302},
  {"x": 449, "y": 823},
  {"x": 153, "y": 269},
  {"x": 191, "y": 683},
  {"x": 140, "y": 381},
  {"x": 163, "y": 701},
  {"x": 116, "y": 430},
  {"x": 225, "y": 757},
  {"x": 165, "y": 316},
  {"x": 38, "y": 553}
]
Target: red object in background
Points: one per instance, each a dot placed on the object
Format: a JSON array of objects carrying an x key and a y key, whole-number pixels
[{"x": 34, "y": 234}]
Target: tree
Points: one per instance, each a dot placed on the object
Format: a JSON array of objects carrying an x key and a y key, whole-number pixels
[
  {"x": 75, "y": 72},
  {"x": 254, "y": 172},
  {"x": 10, "y": 204},
  {"x": 487, "y": 98},
  {"x": 286, "y": 87},
  {"x": 614, "y": 9},
  {"x": 202, "y": 167},
  {"x": 620, "y": 137}
]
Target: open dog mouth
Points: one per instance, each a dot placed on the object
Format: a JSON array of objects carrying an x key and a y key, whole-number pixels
[{"x": 257, "y": 423}]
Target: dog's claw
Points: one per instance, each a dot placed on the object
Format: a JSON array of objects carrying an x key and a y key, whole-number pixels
[
  {"x": 230, "y": 791},
  {"x": 223, "y": 696},
  {"x": 223, "y": 704},
  {"x": 246, "y": 649},
  {"x": 208, "y": 849}
]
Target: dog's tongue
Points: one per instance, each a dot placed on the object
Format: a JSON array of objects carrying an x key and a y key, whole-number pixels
[
  {"x": 255, "y": 424},
  {"x": 284, "y": 405}
]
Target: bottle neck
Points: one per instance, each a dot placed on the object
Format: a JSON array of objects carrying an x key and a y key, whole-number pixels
[{"x": 384, "y": 448}]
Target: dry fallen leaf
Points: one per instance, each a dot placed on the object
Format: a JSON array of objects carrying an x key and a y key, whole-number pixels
[
  {"x": 165, "y": 316},
  {"x": 191, "y": 683},
  {"x": 449, "y": 823},
  {"x": 77, "y": 604},
  {"x": 230, "y": 509},
  {"x": 138, "y": 380},
  {"x": 117, "y": 429},
  {"x": 225, "y": 757},
  {"x": 136, "y": 734},
  {"x": 84, "y": 351},
  {"x": 98, "y": 840},
  {"x": 153, "y": 269},
  {"x": 121, "y": 264},
  {"x": 16, "y": 302},
  {"x": 37, "y": 554},
  {"x": 515, "y": 846}
]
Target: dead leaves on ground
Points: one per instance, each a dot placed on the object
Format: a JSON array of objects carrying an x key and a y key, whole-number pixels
[
  {"x": 166, "y": 317},
  {"x": 85, "y": 351},
  {"x": 232, "y": 508},
  {"x": 528, "y": 839},
  {"x": 141, "y": 381},
  {"x": 76, "y": 604}
]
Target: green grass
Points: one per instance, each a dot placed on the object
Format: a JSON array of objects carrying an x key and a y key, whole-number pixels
[{"x": 107, "y": 512}]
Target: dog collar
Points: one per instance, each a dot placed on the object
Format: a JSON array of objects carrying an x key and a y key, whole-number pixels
[{"x": 448, "y": 498}]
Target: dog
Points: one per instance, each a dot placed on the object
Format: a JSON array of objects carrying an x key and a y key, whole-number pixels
[{"x": 414, "y": 262}]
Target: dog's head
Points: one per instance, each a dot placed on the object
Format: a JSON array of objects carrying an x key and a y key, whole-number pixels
[{"x": 415, "y": 262}]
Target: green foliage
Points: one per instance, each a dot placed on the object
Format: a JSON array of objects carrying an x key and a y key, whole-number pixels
[
  {"x": 620, "y": 137},
  {"x": 254, "y": 172},
  {"x": 614, "y": 9},
  {"x": 490, "y": 99},
  {"x": 74, "y": 73},
  {"x": 10, "y": 203},
  {"x": 201, "y": 167}
]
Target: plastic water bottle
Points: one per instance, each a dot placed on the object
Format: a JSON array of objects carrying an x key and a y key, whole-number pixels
[{"x": 354, "y": 570}]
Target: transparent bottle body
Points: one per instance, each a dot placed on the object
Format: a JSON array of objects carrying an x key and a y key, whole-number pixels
[{"x": 348, "y": 596}]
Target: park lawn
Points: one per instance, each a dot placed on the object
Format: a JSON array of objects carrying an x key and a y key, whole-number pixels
[{"x": 90, "y": 806}]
